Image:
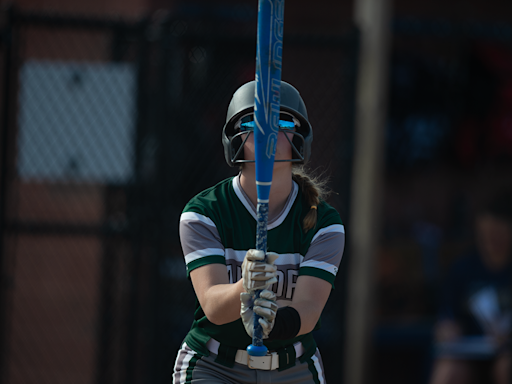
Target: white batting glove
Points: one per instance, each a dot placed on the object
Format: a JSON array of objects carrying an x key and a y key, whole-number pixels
[
  {"x": 265, "y": 306},
  {"x": 256, "y": 273}
]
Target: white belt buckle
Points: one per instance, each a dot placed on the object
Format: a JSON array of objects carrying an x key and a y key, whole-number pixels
[{"x": 260, "y": 362}]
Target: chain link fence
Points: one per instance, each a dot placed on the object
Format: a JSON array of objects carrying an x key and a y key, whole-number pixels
[{"x": 110, "y": 127}]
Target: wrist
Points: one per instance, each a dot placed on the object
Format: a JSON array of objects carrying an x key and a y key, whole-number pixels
[{"x": 287, "y": 324}]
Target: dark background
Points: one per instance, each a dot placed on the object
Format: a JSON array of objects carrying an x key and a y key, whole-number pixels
[{"x": 111, "y": 121}]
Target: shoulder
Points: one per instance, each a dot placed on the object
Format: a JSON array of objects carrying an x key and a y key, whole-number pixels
[
  {"x": 211, "y": 198},
  {"x": 329, "y": 224},
  {"x": 328, "y": 215},
  {"x": 327, "y": 242}
]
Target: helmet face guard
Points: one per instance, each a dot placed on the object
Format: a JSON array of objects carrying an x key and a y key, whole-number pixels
[
  {"x": 244, "y": 128},
  {"x": 238, "y": 126},
  {"x": 238, "y": 141}
]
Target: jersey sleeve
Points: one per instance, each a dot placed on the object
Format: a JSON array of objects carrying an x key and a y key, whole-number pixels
[
  {"x": 200, "y": 241},
  {"x": 325, "y": 252}
]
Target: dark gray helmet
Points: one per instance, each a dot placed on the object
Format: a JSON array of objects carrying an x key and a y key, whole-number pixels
[{"x": 243, "y": 103}]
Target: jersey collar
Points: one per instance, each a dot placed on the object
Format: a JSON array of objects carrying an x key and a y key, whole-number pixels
[{"x": 278, "y": 220}]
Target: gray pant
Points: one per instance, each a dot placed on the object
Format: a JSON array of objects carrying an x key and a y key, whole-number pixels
[{"x": 194, "y": 369}]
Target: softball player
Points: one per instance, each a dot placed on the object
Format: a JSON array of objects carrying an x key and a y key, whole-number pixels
[{"x": 305, "y": 243}]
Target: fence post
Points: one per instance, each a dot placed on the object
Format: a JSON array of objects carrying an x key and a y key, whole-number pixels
[
  {"x": 372, "y": 19},
  {"x": 5, "y": 171}
]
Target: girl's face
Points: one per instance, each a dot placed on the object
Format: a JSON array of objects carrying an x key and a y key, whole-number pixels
[
  {"x": 283, "y": 147},
  {"x": 494, "y": 237},
  {"x": 285, "y": 136}
]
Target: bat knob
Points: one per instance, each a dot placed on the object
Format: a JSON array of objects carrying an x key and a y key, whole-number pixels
[{"x": 254, "y": 350}]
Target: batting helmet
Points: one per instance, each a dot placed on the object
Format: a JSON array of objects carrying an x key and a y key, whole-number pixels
[{"x": 242, "y": 103}]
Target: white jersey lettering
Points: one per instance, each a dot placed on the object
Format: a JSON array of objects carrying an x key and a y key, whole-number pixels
[
  {"x": 292, "y": 281},
  {"x": 280, "y": 283}
]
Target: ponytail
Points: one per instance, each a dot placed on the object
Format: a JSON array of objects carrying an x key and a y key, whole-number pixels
[{"x": 314, "y": 190}]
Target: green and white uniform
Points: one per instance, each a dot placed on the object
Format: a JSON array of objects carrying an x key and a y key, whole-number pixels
[{"x": 219, "y": 226}]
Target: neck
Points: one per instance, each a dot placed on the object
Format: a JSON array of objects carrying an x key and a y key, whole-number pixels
[{"x": 279, "y": 192}]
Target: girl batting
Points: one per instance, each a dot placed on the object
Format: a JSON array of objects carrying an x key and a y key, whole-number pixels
[{"x": 305, "y": 243}]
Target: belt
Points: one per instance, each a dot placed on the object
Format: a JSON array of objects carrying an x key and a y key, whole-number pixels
[{"x": 268, "y": 362}]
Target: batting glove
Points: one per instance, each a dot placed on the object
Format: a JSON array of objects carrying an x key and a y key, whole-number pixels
[
  {"x": 265, "y": 306},
  {"x": 256, "y": 273}
]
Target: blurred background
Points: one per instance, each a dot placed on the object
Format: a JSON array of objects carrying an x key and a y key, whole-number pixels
[{"x": 111, "y": 115}]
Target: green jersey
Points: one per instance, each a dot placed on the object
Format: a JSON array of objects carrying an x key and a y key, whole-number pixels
[{"x": 219, "y": 226}]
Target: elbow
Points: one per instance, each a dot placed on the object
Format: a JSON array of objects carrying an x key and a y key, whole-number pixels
[
  {"x": 210, "y": 315},
  {"x": 309, "y": 319},
  {"x": 307, "y": 326},
  {"x": 214, "y": 316},
  {"x": 214, "y": 320}
]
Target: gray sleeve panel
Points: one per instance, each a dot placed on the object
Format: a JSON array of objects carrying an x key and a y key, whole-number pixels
[
  {"x": 326, "y": 249},
  {"x": 199, "y": 237}
]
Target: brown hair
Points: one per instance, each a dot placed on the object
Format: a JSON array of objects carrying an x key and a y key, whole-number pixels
[{"x": 314, "y": 189}]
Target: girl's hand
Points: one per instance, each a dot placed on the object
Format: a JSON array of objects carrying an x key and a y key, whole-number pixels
[
  {"x": 256, "y": 273},
  {"x": 265, "y": 306}
]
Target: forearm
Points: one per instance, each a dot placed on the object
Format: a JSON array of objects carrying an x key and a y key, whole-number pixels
[
  {"x": 221, "y": 302},
  {"x": 309, "y": 300},
  {"x": 309, "y": 315}
]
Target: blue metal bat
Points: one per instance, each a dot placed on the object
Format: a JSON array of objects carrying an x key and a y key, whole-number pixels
[{"x": 269, "y": 49}]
